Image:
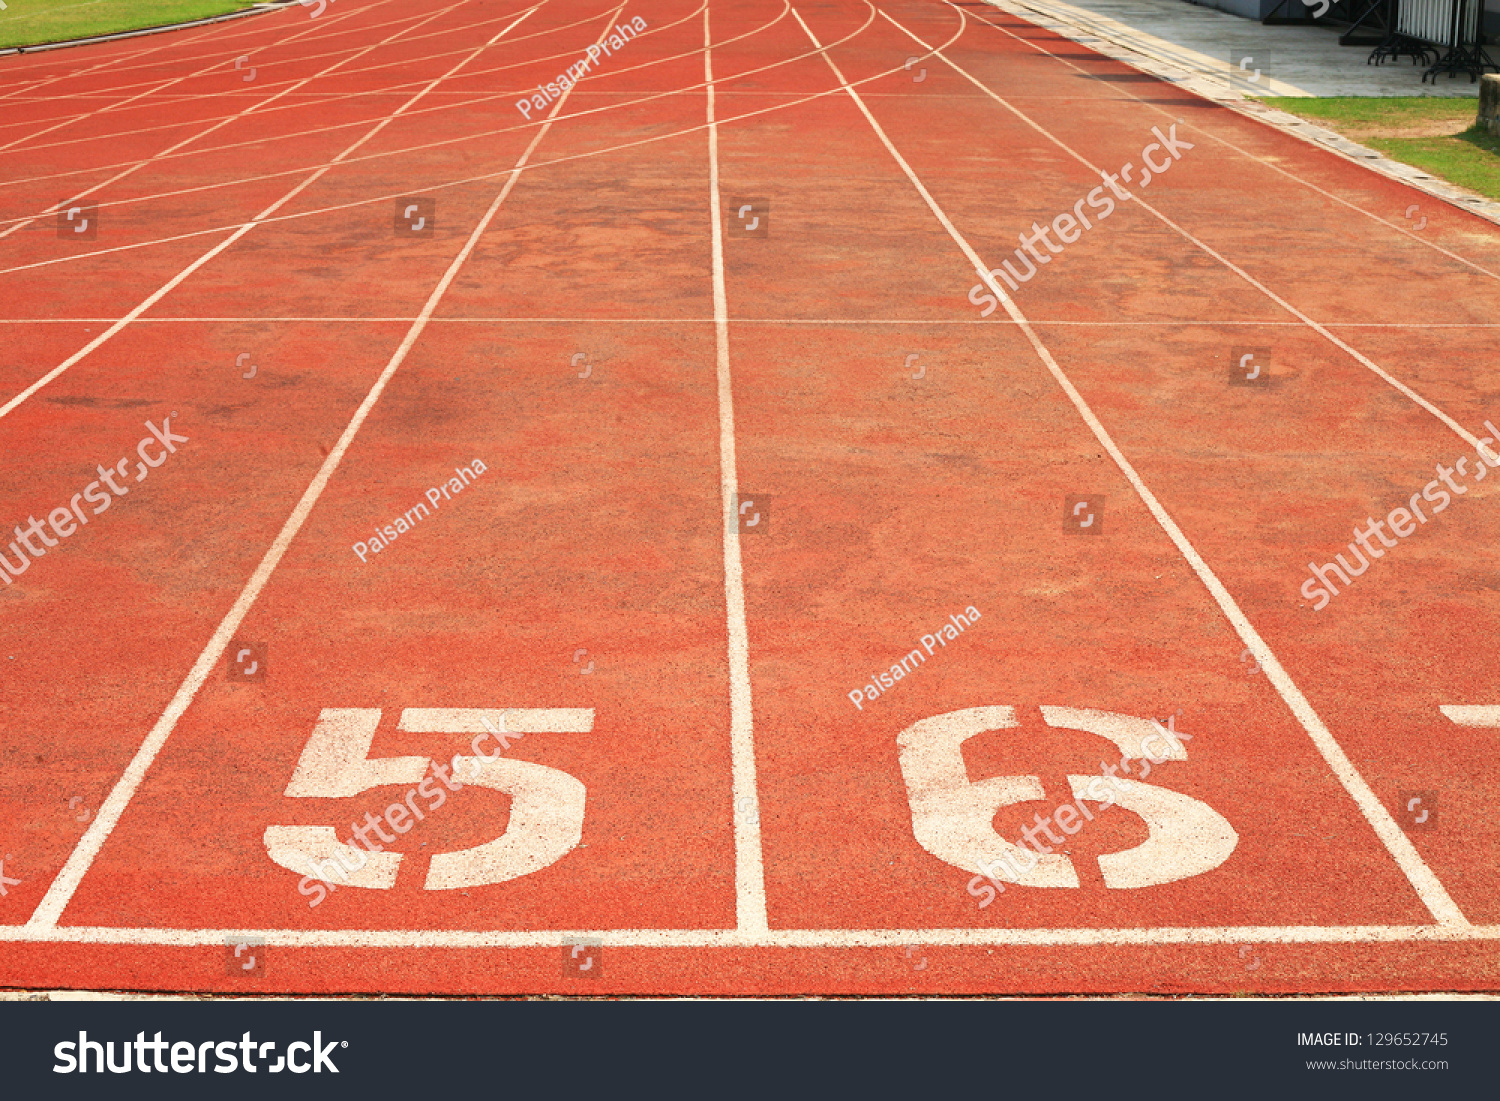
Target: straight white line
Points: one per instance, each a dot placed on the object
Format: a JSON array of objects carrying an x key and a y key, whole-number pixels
[
  {"x": 776, "y": 938},
  {"x": 50, "y": 909},
  {"x": 1483, "y": 715},
  {"x": 1421, "y": 877},
  {"x": 256, "y": 106},
  {"x": 1036, "y": 322},
  {"x": 1322, "y": 330},
  {"x": 176, "y": 280},
  {"x": 749, "y": 866}
]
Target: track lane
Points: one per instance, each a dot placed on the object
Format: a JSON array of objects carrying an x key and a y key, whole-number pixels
[
  {"x": 671, "y": 894},
  {"x": 742, "y": 116},
  {"x": 1363, "y": 700},
  {"x": 42, "y": 432},
  {"x": 116, "y": 177},
  {"x": 833, "y": 883},
  {"x": 117, "y": 258},
  {"x": 1209, "y": 962},
  {"x": 152, "y": 88},
  {"x": 1369, "y": 197}
]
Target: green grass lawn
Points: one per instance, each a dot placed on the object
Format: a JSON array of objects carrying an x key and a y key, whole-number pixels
[
  {"x": 1434, "y": 133},
  {"x": 33, "y": 22}
]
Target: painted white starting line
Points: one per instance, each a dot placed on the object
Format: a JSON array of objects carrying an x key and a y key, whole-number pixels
[{"x": 776, "y": 938}]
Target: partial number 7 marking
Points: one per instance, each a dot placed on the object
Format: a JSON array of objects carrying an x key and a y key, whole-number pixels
[{"x": 1483, "y": 714}]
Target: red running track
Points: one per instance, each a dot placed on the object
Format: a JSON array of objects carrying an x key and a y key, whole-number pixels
[{"x": 703, "y": 399}]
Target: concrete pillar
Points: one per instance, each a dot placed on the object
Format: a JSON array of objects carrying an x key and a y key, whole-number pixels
[{"x": 1489, "y": 102}]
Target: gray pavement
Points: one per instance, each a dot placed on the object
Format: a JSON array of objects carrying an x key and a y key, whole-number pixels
[{"x": 1198, "y": 43}]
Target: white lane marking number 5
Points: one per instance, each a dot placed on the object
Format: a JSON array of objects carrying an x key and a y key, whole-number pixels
[{"x": 547, "y": 804}]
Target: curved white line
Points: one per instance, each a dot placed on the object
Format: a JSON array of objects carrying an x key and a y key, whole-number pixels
[{"x": 478, "y": 178}]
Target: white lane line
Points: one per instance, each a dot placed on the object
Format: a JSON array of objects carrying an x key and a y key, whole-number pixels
[
  {"x": 150, "y": 91},
  {"x": 224, "y": 36},
  {"x": 223, "y": 122},
  {"x": 259, "y": 219},
  {"x": 100, "y": 110},
  {"x": 41, "y": 62},
  {"x": 50, "y": 909},
  {"x": 393, "y": 89},
  {"x": 1263, "y": 162},
  {"x": 33, "y": 85},
  {"x": 131, "y": 104},
  {"x": 749, "y": 865},
  {"x": 478, "y": 319},
  {"x": 266, "y": 86},
  {"x": 299, "y": 134},
  {"x": 1482, "y": 714},
  {"x": 778, "y": 938},
  {"x": 1421, "y": 877},
  {"x": 458, "y": 182},
  {"x": 427, "y": 146},
  {"x": 405, "y": 63},
  {"x": 1322, "y": 330}
]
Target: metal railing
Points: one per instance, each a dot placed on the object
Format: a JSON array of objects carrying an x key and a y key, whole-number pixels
[{"x": 1434, "y": 21}]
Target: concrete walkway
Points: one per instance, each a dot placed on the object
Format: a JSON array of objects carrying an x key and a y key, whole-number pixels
[{"x": 1195, "y": 44}]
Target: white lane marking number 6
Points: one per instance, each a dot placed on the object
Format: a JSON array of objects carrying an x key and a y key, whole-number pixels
[{"x": 952, "y": 816}]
